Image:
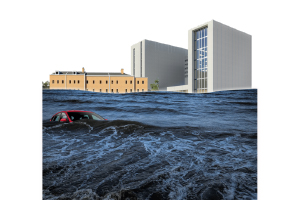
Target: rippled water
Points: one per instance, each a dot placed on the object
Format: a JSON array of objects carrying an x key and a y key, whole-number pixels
[{"x": 155, "y": 145}]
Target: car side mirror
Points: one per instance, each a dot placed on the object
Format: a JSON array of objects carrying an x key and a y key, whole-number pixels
[{"x": 63, "y": 120}]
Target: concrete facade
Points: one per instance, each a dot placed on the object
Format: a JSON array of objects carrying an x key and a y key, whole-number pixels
[
  {"x": 229, "y": 55},
  {"x": 218, "y": 58},
  {"x": 158, "y": 61}
]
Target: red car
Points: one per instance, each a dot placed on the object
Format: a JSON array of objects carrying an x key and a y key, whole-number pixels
[{"x": 74, "y": 115}]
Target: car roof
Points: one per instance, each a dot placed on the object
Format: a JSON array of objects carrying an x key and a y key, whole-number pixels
[{"x": 75, "y": 111}]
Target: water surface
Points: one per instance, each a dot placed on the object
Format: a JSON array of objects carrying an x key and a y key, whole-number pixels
[{"x": 155, "y": 145}]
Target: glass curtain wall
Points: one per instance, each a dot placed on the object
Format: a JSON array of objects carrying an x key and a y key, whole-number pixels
[{"x": 200, "y": 60}]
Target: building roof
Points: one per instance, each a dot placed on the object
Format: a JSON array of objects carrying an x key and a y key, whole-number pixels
[{"x": 92, "y": 73}]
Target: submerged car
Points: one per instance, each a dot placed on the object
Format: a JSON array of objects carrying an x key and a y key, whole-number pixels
[{"x": 74, "y": 115}]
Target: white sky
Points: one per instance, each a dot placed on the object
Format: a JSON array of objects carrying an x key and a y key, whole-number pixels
[{"x": 39, "y": 37}]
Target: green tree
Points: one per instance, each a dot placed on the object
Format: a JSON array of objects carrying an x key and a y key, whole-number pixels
[
  {"x": 155, "y": 85},
  {"x": 46, "y": 84}
]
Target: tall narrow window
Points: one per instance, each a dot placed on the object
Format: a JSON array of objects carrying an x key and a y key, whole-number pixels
[
  {"x": 57, "y": 81},
  {"x": 52, "y": 81},
  {"x": 141, "y": 57},
  {"x": 126, "y": 90},
  {"x": 133, "y": 63},
  {"x": 112, "y": 82},
  {"x": 62, "y": 81},
  {"x": 93, "y": 82},
  {"x": 138, "y": 82},
  {"x": 100, "y": 82},
  {"x": 125, "y": 82},
  {"x": 70, "y": 81},
  {"x": 78, "y": 81},
  {"x": 74, "y": 81},
  {"x": 142, "y": 82},
  {"x": 87, "y": 82},
  {"x": 116, "y": 82},
  {"x": 112, "y": 90},
  {"x": 106, "y": 82}
]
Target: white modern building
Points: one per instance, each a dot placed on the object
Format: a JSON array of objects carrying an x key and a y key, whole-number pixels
[
  {"x": 158, "y": 61},
  {"x": 219, "y": 58}
]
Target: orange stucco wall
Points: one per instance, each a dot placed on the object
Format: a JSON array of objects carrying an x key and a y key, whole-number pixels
[
  {"x": 57, "y": 82},
  {"x": 141, "y": 84},
  {"x": 113, "y": 84},
  {"x": 93, "y": 83},
  {"x": 67, "y": 82},
  {"x": 72, "y": 82}
]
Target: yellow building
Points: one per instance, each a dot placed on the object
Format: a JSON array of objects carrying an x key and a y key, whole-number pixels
[{"x": 98, "y": 81}]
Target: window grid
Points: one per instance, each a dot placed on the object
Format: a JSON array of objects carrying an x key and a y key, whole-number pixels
[{"x": 200, "y": 60}]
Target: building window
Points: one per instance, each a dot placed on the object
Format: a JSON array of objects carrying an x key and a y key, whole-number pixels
[
  {"x": 117, "y": 82},
  {"x": 117, "y": 90},
  {"x": 106, "y": 82},
  {"x": 57, "y": 81},
  {"x": 133, "y": 62},
  {"x": 200, "y": 62},
  {"x": 112, "y": 82},
  {"x": 100, "y": 90},
  {"x": 125, "y": 90},
  {"x": 87, "y": 89},
  {"x": 130, "y": 82},
  {"x": 142, "y": 90},
  {"x": 78, "y": 81},
  {"x": 130, "y": 90},
  {"x": 87, "y": 82},
  {"x": 74, "y": 81},
  {"x": 142, "y": 82},
  {"x": 112, "y": 90},
  {"x": 93, "y": 90},
  {"x": 70, "y": 81},
  {"x": 138, "y": 82},
  {"x": 125, "y": 82},
  {"x": 141, "y": 57},
  {"x": 137, "y": 90},
  {"x": 100, "y": 82},
  {"x": 52, "y": 81},
  {"x": 106, "y": 90}
]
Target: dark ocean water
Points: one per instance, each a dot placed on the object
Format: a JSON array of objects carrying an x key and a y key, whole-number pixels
[{"x": 155, "y": 145}]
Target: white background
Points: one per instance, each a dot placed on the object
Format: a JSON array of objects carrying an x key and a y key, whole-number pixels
[{"x": 39, "y": 37}]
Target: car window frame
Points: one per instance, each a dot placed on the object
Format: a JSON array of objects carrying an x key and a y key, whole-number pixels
[
  {"x": 62, "y": 116},
  {"x": 58, "y": 115},
  {"x": 89, "y": 114}
]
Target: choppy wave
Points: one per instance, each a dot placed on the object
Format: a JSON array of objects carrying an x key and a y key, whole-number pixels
[{"x": 130, "y": 159}]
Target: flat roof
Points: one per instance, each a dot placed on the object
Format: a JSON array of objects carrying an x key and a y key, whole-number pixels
[{"x": 92, "y": 73}]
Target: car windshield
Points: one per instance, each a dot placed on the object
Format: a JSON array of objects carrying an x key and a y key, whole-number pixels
[{"x": 84, "y": 115}]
